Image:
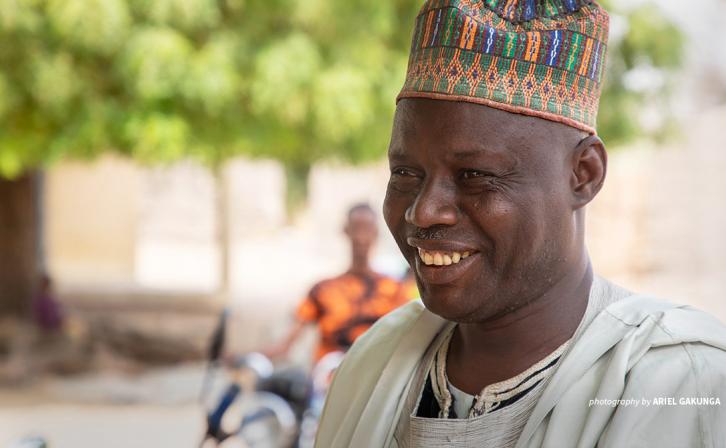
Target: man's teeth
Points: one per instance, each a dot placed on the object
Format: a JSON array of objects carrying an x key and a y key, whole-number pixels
[
  {"x": 438, "y": 259},
  {"x": 441, "y": 258},
  {"x": 427, "y": 258}
]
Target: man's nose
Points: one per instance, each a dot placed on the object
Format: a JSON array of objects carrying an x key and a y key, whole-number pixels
[{"x": 434, "y": 205}]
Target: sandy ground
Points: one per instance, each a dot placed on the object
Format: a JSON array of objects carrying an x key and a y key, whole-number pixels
[
  {"x": 81, "y": 426},
  {"x": 107, "y": 410}
]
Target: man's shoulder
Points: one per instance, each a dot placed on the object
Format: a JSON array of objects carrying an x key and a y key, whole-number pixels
[
  {"x": 388, "y": 329},
  {"x": 655, "y": 335},
  {"x": 348, "y": 277},
  {"x": 655, "y": 353},
  {"x": 689, "y": 340},
  {"x": 678, "y": 360},
  {"x": 372, "y": 350},
  {"x": 675, "y": 323},
  {"x": 373, "y": 375},
  {"x": 676, "y": 385},
  {"x": 362, "y": 368},
  {"x": 329, "y": 283}
]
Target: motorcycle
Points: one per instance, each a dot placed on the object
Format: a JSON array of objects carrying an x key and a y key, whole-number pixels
[
  {"x": 322, "y": 377},
  {"x": 261, "y": 407}
]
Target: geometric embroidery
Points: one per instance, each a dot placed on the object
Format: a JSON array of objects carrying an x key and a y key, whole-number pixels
[{"x": 537, "y": 57}]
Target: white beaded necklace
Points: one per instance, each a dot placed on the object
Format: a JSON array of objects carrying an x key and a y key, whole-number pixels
[{"x": 492, "y": 395}]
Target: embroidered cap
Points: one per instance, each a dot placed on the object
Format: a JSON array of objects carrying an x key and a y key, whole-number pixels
[{"x": 535, "y": 57}]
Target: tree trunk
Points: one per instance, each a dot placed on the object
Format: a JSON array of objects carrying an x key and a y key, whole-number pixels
[
  {"x": 223, "y": 236},
  {"x": 296, "y": 191},
  {"x": 20, "y": 242}
]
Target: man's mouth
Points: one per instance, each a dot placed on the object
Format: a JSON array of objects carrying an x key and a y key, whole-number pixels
[
  {"x": 442, "y": 262},
  {"x": 441, "y": 258}
]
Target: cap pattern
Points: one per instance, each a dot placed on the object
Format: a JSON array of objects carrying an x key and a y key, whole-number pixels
[{"x": 536, "y": 57}]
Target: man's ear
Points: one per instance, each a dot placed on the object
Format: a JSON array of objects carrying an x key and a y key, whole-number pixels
[{"x": 589, "y": 166}]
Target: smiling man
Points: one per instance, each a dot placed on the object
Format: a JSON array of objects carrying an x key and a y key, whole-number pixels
[{"x": 493, "y": 157}]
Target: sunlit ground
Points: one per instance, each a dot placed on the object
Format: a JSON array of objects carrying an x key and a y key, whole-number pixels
[
  {"x": 157, "y": 409},
  {"x": 80, "y": 426}
]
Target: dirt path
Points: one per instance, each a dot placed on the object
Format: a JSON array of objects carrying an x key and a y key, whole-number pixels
[{"x": 97, "y": 426}]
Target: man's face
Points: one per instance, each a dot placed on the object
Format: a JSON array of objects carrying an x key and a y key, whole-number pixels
[{"x": 480, "y": 204}]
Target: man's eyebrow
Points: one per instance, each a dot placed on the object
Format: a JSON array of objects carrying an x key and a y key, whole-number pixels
[
  {"x": 478, "y": 151},
  {"x": 398, "y": 154},
  {"x": 467, "y": 153}
]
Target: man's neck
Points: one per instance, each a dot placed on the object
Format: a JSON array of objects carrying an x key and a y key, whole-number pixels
[
  {"x": 360, "y": 266},
  {"x": 498, "y": 349}
]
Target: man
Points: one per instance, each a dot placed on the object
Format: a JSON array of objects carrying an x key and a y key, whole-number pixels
[
  {"x": 345, "y": 307},
  {"x": 517, "y": 343}
]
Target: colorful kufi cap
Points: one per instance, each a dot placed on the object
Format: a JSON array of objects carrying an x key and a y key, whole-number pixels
[{"x": 535, "y": 57}]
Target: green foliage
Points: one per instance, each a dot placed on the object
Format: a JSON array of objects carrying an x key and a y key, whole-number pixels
[
  {"x": 652, "y": 46},
  {"x": 296, "y": 80},
  {"x": 155, "y": 72},
  {"x": 165, "y": 79},
  {"x": 97, "y": 26}
]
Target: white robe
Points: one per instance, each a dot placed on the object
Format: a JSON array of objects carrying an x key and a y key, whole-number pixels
[{"x": 638, "y": 348}]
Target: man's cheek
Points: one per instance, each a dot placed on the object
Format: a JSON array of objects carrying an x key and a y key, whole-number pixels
[{"x": 393, "y": 212}]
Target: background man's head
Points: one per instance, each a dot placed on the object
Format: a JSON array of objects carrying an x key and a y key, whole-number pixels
[{"x": 361, "y": 228}]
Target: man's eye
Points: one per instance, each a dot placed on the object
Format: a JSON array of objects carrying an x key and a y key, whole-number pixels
[
  {"x": 403, "y": 172},
  {"x": 477, "y": 180},
  {"x": 473, "y": 174},
  {"x": 404, "y": 180}
]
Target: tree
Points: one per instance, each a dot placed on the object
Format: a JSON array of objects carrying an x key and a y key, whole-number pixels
[
  {"x": 641, "y": 68},
  {"x": 19, "y": 242},
  {"x": 163, "y": 80},
  {"x": 166, "y": 79},
  {"x": 298, "y": 81}
]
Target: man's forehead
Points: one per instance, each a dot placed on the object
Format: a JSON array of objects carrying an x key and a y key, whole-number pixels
[
  {"x": 467, "y": 131},
  {"x": 449, "y": 150}
]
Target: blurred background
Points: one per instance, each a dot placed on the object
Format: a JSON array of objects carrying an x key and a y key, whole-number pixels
[{"x": 162, "y": 161}]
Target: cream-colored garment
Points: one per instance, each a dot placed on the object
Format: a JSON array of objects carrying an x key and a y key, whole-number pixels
[
  {"x": 638, "y": 348},
  {"x": 493, "y": 393},
  {"x": 491, "y": 428},
  {"x": 499, "y": 428}
]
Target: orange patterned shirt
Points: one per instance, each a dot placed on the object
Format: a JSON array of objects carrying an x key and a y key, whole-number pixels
[{"x": 345, "y": 307}]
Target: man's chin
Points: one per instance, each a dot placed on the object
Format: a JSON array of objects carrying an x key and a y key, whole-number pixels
[{"x": 452, "y": 308}]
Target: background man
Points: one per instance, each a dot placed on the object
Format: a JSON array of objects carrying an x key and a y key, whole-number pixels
[
  {"x": 493, "y": 158},
  {"x": 344, "y": 307}
]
